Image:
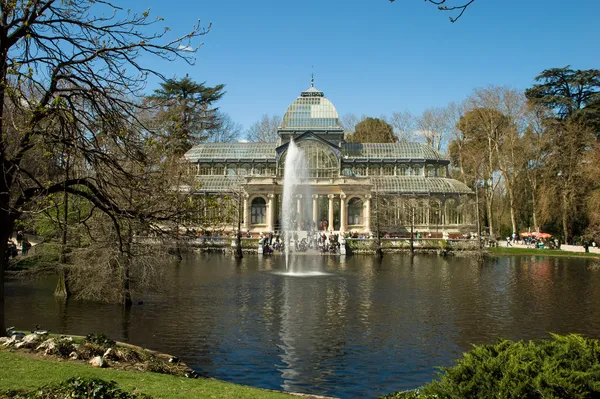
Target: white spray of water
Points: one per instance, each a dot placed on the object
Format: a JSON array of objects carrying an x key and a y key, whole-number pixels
[{"x": 294, "y": 172}]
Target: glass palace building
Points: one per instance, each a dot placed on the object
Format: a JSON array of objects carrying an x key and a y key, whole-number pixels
[{"x": 354, "y": 187}]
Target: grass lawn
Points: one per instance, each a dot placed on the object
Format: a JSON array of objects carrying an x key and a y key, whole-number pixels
[
  {"x": 20, "y": 371},
  {"x": 540, "y": 252}
]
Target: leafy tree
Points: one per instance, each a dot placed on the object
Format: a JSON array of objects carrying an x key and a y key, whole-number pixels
[
  {"x": 185, "y": 112},
  {"x": 264, "y": 130},
  {"x": 373, "y": 130},
  {"x": 571, "y": 99},
  {"x": 70, "y": 71},
  {"x": 569, "y": 93}
]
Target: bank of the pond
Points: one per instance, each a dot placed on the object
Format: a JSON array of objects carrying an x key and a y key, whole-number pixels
[
  {"x": 500, "y": 251},
  {"x": 23, "y": 371}
]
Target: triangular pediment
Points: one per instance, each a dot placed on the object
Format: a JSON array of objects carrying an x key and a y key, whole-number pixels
[{"x": 309, "y": 136}]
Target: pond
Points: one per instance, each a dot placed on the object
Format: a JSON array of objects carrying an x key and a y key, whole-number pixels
[{"x": 359, "y": 328}]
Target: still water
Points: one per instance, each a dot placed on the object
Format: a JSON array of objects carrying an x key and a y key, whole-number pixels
[{"x": 358, "y": 328}]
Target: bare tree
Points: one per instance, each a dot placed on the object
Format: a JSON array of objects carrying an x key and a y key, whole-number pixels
[
  {"x": 264, "y": 130},
  {"x": 433, "y": 127},
  {"x": 404, "y": 125},
  {"x": 226, "y": 131},
  {"x": 349, "y": 122},
  {"x": 76, "y": 64}
]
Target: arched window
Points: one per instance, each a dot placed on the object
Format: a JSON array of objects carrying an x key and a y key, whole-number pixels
[
  {"x": 258, "y": 211},
  {"x": 451, "y": 212},
  {"x": 218, "y": 170},
  {"x": 231, "y": 170},
  {"x": 244, "y": 170},
  {"x": 387, "y": 170},
  {"x": 204, "y": 169},
  {"x": 359, "y": 170},
  {"x": 257, "y": 170},
  {"x": 441, "y": 171},
  {"x": 320, "y": 161},
  {"x": 416, "y": 170},
  {"x": 430, "y": 171},
  {"x": 402, "y": 170},
  {"x": 355, "y": 207}
]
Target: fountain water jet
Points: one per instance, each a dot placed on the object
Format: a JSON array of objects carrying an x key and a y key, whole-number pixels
[{"x": 295, "y": 169}]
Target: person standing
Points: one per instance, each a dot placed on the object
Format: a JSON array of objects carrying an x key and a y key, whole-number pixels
[{"x": 25, "y": 245}]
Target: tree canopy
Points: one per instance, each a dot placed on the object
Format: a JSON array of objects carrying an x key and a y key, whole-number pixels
[
  {"x": 186, "y": 112},
  {"x": 373, "y": 130},
  {"x": 569, "y": 93}
]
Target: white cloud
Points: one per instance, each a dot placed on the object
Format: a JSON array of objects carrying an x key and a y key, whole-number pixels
[{"x": 185, "y": 48}]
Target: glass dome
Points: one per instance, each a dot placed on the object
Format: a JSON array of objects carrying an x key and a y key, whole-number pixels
[{"x": 312, "y": 110}]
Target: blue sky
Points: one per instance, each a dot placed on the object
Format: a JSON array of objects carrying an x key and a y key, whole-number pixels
[{"x": 374, "y": 57}]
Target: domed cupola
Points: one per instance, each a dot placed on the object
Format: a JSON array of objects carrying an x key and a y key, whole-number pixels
[{"x": 313, "y": 112}]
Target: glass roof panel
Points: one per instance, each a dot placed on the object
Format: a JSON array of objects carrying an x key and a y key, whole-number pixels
[
  {"x": 418, "y": 185},
  {"x": 210, "y": 151},
  {"x": 403, "y": 150}
]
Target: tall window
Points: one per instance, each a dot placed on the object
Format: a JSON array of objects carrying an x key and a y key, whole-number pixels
[
  {"x": 258, "y": 211},
  {"x": 355, "y": 206}
]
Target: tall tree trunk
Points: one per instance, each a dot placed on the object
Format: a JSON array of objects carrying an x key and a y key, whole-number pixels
[
  {"x": 6, "y": 228},
  {"x": 62, "y": 286},
  {"x": 489, "y": 193},
  {"x": 534, "y": 209},
  {"x": 511, "y": 200},
  {"x": 477, "y": 215},
  {"x": 126, "y": 270},
  {"x": 564, "y": 218}
]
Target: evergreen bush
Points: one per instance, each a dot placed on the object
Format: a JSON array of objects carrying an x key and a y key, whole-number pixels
[{"x": 563, "y": 367}]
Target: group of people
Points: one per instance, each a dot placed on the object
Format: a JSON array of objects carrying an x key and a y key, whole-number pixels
[
  {"x": 12, "y": 247},
  {"x": 314, "y": 240}
]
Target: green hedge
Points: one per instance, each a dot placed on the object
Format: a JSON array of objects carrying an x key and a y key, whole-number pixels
[{"x": 564, "y": 367}]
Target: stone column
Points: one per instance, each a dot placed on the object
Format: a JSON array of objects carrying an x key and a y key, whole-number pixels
[
  {"x": 246, "y": 213},
  {"x": 343, "y": 213},
  {"x": 270, "y": 212},
  {"x": 367, "y": 213},
  {"x": 299, "y": 208},
  {"x": 315, "y": 210},
  {"x": 330, "y": 227}
]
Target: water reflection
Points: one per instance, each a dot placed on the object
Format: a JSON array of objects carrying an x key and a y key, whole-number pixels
[{"x": 368, "y": 327}]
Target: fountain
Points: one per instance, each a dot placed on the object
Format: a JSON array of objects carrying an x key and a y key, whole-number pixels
[{"x": 294, "y": 172}]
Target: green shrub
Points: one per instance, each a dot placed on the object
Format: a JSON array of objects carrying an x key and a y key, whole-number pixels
[
  {"x": 89, "y": 350},
  {"x": 100, "y": 340},
  {"x": 564, "y": 367},
  {"x": 79, "y": 388},
  {"x": 63, "y": 347}
]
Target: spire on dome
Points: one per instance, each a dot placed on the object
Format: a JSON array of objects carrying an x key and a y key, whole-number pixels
[{"x": 312, "y": 79}]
